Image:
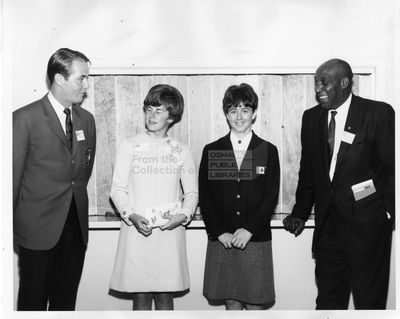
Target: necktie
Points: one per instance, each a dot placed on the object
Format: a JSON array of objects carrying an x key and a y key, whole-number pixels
[
  {"x": 331, "y": 135},
  {"x": 68, "y": 126}
]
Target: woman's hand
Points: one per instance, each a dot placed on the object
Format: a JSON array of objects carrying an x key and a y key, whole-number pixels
[
  {"x": 141, "y": 224},
  {"x": 174, "y": 221},
  {"x": 226, "y": 240},
  {"x": 240, "y": 238}
]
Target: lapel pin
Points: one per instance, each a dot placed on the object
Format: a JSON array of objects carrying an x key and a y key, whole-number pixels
[{"x": 260, "y": 170}]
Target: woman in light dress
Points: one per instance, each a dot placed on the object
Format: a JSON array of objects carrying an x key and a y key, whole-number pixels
[{"x": 151, "y": 261}]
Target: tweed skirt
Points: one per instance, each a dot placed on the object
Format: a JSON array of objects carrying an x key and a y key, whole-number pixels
[{"x": 243, "y": 275}]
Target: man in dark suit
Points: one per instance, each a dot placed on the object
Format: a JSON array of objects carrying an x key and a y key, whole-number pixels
[
  {"x": 54, "y": 142},
  {"x": 347, "y": 170},
  {"x": 238, "y": 190}
]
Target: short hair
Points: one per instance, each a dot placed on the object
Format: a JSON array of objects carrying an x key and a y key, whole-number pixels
[
  {"x": 237, "y": 94},
  {"x": 341, "y": 65},
  {"x": 170, "y": 97},
  {"x": 60, "y": 62}
]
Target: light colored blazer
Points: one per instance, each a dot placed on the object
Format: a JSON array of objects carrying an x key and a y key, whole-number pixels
[{"x": 46, "y": 173}]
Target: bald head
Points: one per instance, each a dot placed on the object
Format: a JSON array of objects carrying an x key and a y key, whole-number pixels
[
  {"x": 341, "y": 67},
  {"x": 333, "y": 82}
]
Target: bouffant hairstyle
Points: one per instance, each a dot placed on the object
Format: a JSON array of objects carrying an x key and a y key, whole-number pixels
[{"x": 170, "y": 97}]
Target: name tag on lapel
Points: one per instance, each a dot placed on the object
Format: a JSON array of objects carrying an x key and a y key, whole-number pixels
[
  {"x": 348, "y": 137},
  {"x": 260, "y": 170},
  {"x": 80, "y": 136}
]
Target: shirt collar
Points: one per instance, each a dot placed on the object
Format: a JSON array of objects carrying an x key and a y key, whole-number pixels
[
  {"x": 58, "y": 107},
  {"x": 243, "y": 140},
  {"x": 344, "y": 108}
]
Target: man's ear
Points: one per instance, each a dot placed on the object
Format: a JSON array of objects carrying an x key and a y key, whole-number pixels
[
  {"x": 59, "y": 79},
  {"x": 344, "y": 82}
]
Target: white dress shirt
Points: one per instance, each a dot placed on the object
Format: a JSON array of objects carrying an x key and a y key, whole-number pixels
[
  {"x": 340, "y": 120},
  {"x": 240, "y": 146},
  {"x": 59, "y": 109}
]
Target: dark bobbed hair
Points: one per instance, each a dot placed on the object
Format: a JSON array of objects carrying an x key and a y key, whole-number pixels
[
  {"x": 237, "y": 94},
  {"x": 170, "y": 97},
  {"x": 60, "y": 62}
]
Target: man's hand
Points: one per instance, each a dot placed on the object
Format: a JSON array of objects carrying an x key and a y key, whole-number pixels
[
  {"x": 174, "y": 221},
  {"x": 240, "y": 238},
  {"x": 141, "y": 224},
  {"x": 226, "y": 240},
  {"x": 293, "y": 225}
]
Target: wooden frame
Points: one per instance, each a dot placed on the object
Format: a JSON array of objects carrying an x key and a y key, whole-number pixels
[{"x": 116, "y": 95}]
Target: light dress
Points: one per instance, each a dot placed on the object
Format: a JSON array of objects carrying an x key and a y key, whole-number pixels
[{"x": 147, "y": 173}]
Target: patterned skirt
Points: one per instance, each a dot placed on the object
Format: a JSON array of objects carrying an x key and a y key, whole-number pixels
[{"x": 243, "y": 275}]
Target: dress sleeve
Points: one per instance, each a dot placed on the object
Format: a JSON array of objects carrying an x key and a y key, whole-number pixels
[
  {"x": 189, "y": 185},
  {"x": 120, "y": 181}
]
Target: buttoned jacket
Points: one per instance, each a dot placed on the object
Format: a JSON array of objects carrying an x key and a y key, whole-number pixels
[
  {"x": 232, "y": 198},
  {"x": 368, "y": 156},
  {"x": 46, "y": 173}
]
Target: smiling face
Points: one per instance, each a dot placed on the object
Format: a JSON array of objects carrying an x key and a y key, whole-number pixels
[
  {"x": 157, "y": 120},
  {"x": 332, "y": 85},
  {"x": 241, "y": 119}
]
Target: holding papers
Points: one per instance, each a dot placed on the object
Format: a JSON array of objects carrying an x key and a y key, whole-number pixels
[
  {"x": 155, "y": 214},
  {"x": 363, "y": 189}
]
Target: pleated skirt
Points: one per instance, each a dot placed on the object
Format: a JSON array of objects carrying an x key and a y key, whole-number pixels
[{"x": 243, "y": 275}]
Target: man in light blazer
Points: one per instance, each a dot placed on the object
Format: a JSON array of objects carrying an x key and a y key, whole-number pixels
[
  {"x": 347, "y": 170},
  {"x": 54, "y": 142}
]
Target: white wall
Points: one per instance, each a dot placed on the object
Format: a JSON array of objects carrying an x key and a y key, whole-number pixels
[
  {"x": 293, "y": 270},
  {"x": 293, "y": 273},
  {"x": 232, "y": 33},
  {"x": 157, "y": 35}
]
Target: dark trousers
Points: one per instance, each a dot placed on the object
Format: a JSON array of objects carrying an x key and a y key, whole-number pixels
[
  {"x": 49, "y": 279},
  {"x": 346, "y": 263}
]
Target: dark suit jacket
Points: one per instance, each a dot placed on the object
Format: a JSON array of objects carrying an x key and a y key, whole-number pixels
[
  {"x": 46, "y": 173},
  {"x": 230, "y": 199},
  {"x": 370, "y": 156}
]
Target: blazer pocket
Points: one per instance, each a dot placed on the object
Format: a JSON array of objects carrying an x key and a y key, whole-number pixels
[
  {"x": 89, "y": 156},
  {"x": 363, "y": 144},
  {"x": 361, "y": 150},
  {"x": 370, "y": 207},
  {"x": 368, "y": 198}
]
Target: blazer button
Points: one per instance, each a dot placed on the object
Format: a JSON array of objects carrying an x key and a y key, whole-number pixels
[
  {"x": 73, "y": 183},
  {"x": 238, "y": 180},
  {"x": 238, "y": 213},
  {"x": 238, "y": 196}
]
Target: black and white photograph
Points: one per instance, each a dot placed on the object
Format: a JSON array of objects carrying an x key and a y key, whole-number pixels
[{"x": 192, "y": 158}]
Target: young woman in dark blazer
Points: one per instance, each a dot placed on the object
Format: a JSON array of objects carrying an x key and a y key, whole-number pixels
[{"x": 238, "y": 190}]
